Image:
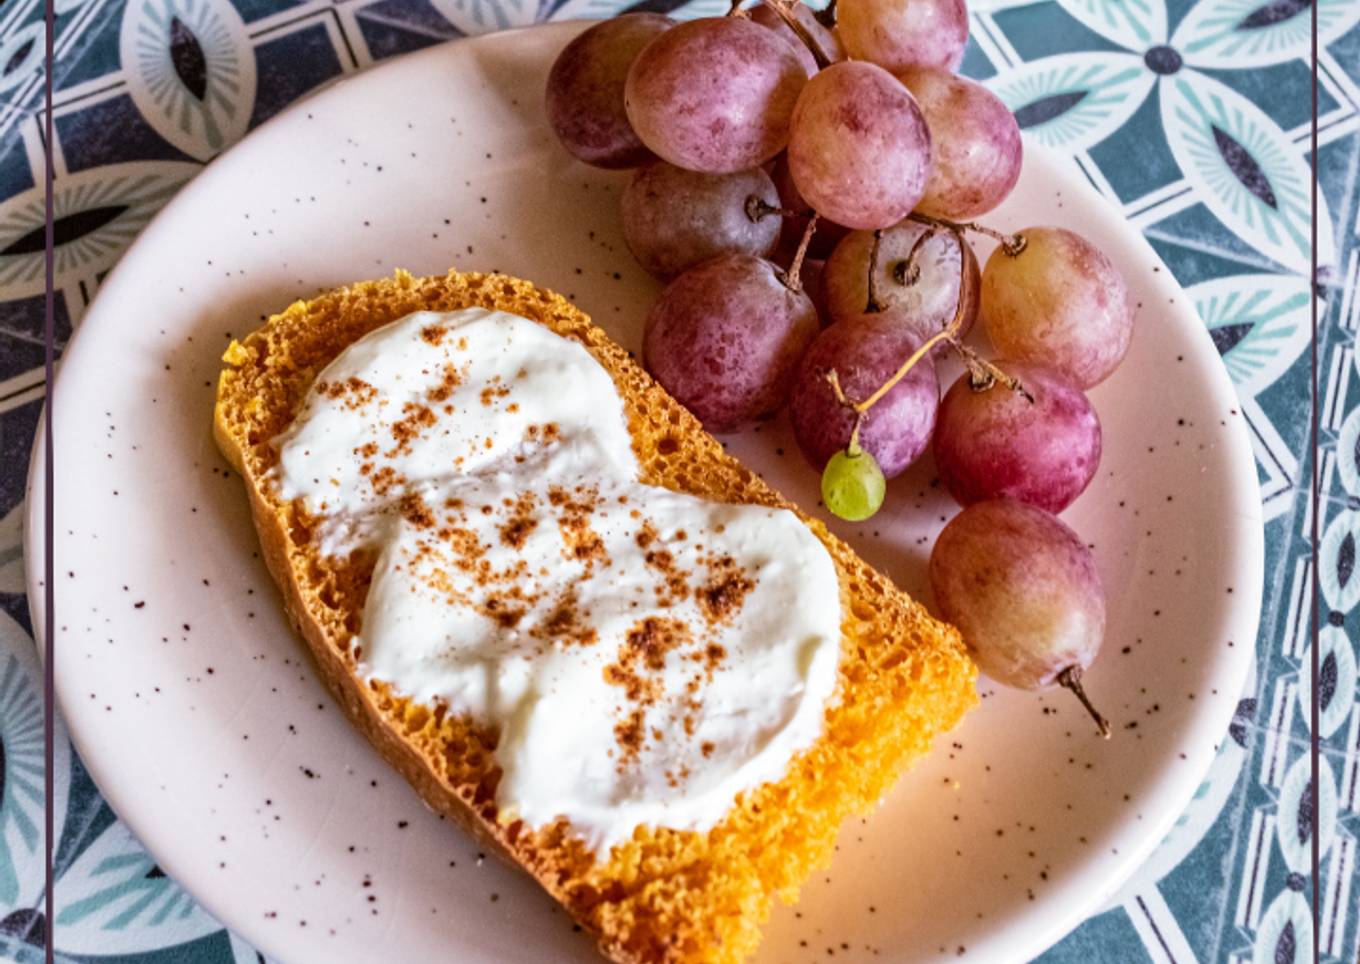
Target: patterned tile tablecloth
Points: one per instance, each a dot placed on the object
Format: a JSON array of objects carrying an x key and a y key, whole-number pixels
[{"x": 1191, "y": 116}]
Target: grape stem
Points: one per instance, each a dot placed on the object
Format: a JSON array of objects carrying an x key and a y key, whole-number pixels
[
  {"x": 1012, "y": 244},
  {"x": 907, "y": 272},
  {"x": 983, "y": 375},
  {"x": 757, "y": 208},
  {"x": 785, "y": 11},
  {"x": 874, "y": 306},
  {"x": 792, "y": 279},
  {"x": 1070, "y": 679},
  {"x": 949, "y": 333}
]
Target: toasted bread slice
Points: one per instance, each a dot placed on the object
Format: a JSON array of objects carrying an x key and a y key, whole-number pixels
[{"x": 664, "y": 895}]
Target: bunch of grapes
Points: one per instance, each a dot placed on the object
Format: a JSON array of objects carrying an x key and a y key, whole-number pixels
[{"x": 806, "y": 184}]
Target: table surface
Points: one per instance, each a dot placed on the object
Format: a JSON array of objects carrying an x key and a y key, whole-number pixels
[{"x": 1192, "y": 116}]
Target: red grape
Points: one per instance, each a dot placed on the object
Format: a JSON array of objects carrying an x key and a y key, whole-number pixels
[
  {"x": 674, "y": 218},
  {"x": 714, "y": 94},
  {"x": 1023, "y": 591},
  {"x": 926, "y": 304},
  {"x": 976, "y": 142},
  {"x": 584, "y": 99},
  {"x": 998, "y": 443},
  {"x": 859, "y": 148},
  {"x": 1060, "y": 302},
  {"x": 864, "y": 353},
  {"x": 898, "y": 34},
  {"x": 725, "y": 338}
]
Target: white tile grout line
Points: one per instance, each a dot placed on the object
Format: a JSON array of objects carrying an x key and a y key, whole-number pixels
[
  {"x": 1158, "y": 928},
  {"x": 1329, "y": 131},
  {"x": 31, "y": 133},
  {"x": 1296, "y": 626},
  {"x": 74, "y": 29},
  {"x": 1335, "y": 902},
  {"x": 369, "y": 14},
  {"x": 992, "y": 41},
  {"x": 1338, "y": 378},
  {"x": 1097, "y": 177},
  {"x": 1347, "y": 317},
  {"x": 14, "y": 15},
  {"x": 75, "y": 301},
  {"x": 74, "y": 95},
  {"x": 1259, "y": 840},
  {"x": 20, "y": 399},
  {"x": 351, "y": 50},
  {"x": 1261, "y": 263},
  {"x": 1157, "y": 196},
  {"x": 1167, "y": 207},
  {"x": 20, "y": 383},
  {"x": 1331, "y": 70},
  {"x": 282, "y": 18}
]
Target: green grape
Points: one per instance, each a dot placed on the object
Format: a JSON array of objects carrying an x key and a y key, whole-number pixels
[{"x": 853, "y": 485}]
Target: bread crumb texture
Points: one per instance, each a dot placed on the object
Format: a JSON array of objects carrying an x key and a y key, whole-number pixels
[{"x": 664, "y": 895}]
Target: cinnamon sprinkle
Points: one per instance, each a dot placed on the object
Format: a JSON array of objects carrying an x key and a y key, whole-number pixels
[
  {"x": 642, "y": 657},
  {"x": 354, "y": 390},
  {"x": 516, "y": 530},
  {"x": 408, "y": 429},
  {"x": 722, "y": 597},
  {"x": 451, "y": 379}
]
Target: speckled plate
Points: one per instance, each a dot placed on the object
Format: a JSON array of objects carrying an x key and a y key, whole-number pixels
[{"x": 205, "y": 726}]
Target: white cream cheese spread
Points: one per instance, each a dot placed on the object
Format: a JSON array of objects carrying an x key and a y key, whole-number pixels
[{"x": 645, "y": 655}]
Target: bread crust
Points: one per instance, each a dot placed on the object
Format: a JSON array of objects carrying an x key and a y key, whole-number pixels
[{"x": 636, "y": 919}]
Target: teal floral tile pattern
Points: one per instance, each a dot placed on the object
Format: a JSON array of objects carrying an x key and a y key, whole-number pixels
[{"x": 1190, "y": 116}]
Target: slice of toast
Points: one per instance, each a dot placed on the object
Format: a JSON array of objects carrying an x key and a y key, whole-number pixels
[{"x": 664, "y": 895}]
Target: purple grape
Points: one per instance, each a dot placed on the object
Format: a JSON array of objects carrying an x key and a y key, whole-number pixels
[
  {"x": 864, "y": 353},
  {"x": 674, "y": 218},
  {"x": 725, "y": 338},
  {"x": 997, "y": 443},
  {"x": 900, "y": 34},
  {"x": 859, "y": 148},
  {"x": 1060, "y": 302},
  {"x": 824, "y": 38},
  {"x": 1024, "y": 592},
  {"x": 715, "y": 94},
  {"x": 976, "y": 141},
  {"x": 584, "y": 99}
]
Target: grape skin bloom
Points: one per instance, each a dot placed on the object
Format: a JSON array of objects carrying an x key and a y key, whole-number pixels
[
  {"x": 900, "y": 34},
  {"x": 714, "y": 94},
  {"x": 1060, "y": 302},
  {"x": 725, "y": 337},
  {"x": 859, "y": 147},
  {"x": 864, "y": 353},
  {"x": 584, "y": 96},
  {"x": 998, "y": 443},
  {"x": 977, "y": 147},
  {"x": 674, "y": 219},
  {"x": 1023, "y": 591}
]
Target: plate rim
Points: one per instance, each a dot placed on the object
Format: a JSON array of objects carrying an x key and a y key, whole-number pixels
[{"x": 1060, "y": 921}]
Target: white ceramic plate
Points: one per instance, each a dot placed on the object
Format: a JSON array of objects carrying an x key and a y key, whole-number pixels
[{"x": 204, "y": 725}]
